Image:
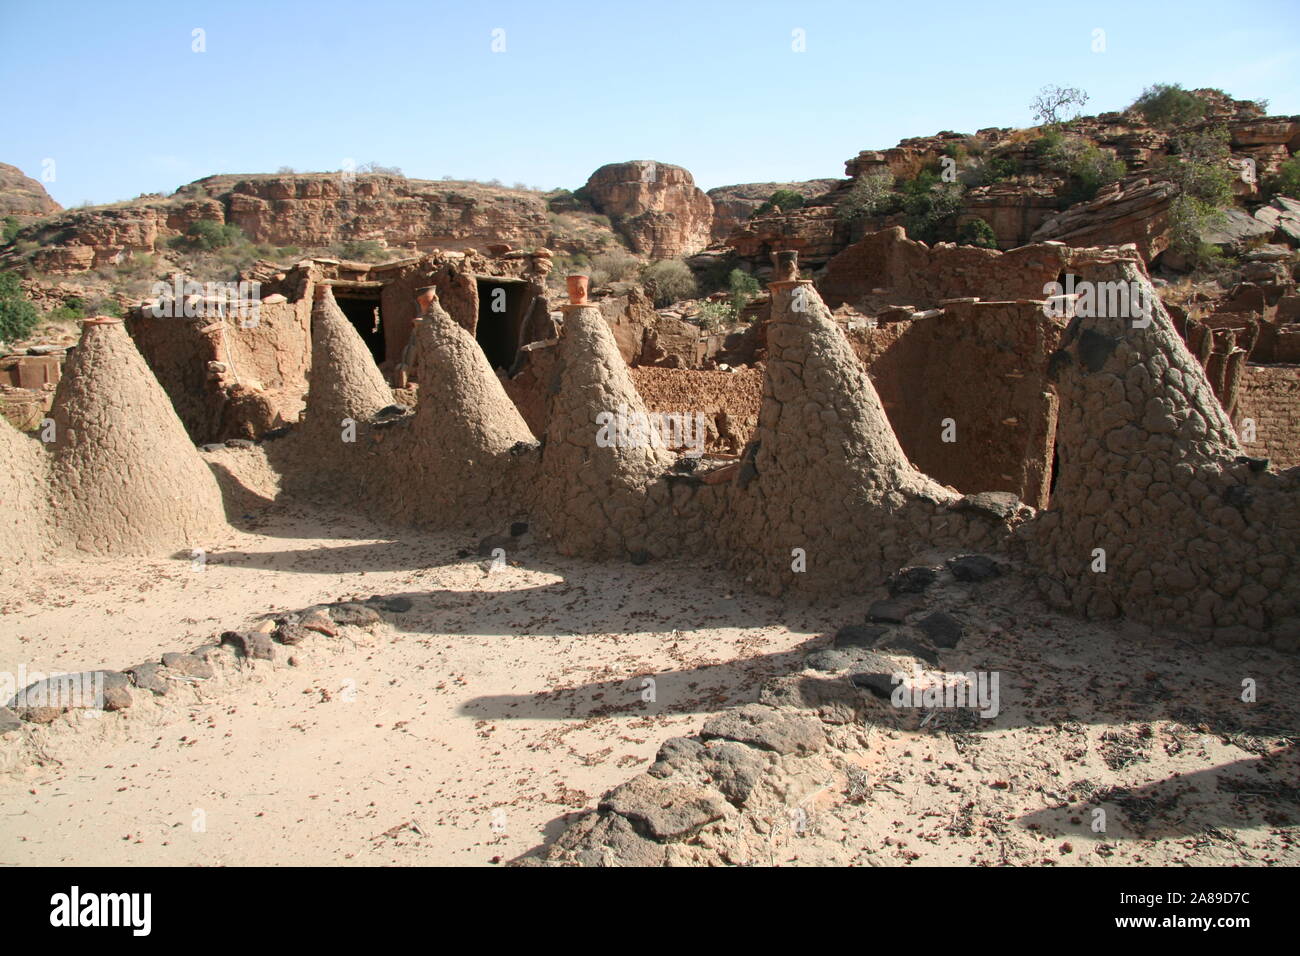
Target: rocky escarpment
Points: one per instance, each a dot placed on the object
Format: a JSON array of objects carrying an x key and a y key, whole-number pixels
[
  {"x": 313, "y": 210},
  {"x": 655, "y": 206},
  {"x": 1006, "y": 178},
  {"x": 733, "y": 205},
  {"x": 22, "y": 196}
]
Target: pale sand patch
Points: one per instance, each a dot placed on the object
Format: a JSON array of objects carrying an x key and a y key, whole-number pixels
[
  {"x": 513, "y": 699},
  {"x": 494, "y": 691}
]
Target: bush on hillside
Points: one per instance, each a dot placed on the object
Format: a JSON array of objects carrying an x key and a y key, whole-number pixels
[
  {"x": 1166, "y": 105},
  {"x": 782, "y": 199},
  {"x": 744, "y": 287},
  {"x": 930, "y": 205},
  {"x": 1286, "y": 181},
  {"x": 869, "y": 196},
  {"x": 668, "y": 281},
  {"x": 1085, "y": 166},
  {"x": 17, "y": 315},
  {"x": 977, "y": 232}
]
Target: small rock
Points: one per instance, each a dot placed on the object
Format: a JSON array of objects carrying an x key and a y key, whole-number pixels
[
  {"x": 942, "y": 629},
  {"x": 197, "y": 663},
  {"x": 911, "y": 580},
  {"x": 292, "y": 634},
  {"x": 909, "y": 641},
  {"x": 9, "y": 721},
  {"x": 767, "y": 728},
  {"x": 664, "y": 810},
  {"x": 317, "y": 619},
  {"x": 974, "y": 567},
  {"x": 252, "y": 644},
  {"x": 213, "y": 447},
  {"x": 357, "y": 615},
  {"x": 150, "y": 676},
  {"x": 239, "y": 443},
  {"x": 833, "y": 700},
  {"x": 859, "y": 635},
  {"x": 394, "y": 603},
  {"x": 831, "y": 659},
  {"x": 44, "y": 700},
  {"x": 674, "y": 754},
  {"x": 881, "y": 685},
  {"x": 889, "y": 611}
]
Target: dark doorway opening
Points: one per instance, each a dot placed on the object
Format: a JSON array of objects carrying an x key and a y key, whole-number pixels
[
  {"x": 364, "y": 314},
  {"x": 500, "y": 320}
]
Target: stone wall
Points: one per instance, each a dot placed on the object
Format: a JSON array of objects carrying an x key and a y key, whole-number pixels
[{"x": 1270, "y": 396}]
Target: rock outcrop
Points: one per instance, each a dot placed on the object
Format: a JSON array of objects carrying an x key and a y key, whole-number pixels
[
  {"x": 308, "y": 210},
  {"x": 1137, "y": 212},
  {"x": 655, "y": 206},
  {"x": 734, "y": 205},
  {"x": 22, "y": 196},
  {"x": 1283, "y": 214}
]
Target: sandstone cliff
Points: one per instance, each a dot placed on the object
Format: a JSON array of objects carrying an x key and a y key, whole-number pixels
[{"x": 655, "y": 206}]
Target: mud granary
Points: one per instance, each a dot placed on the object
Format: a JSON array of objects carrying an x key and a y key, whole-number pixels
[{"x": 912, "y": 404}]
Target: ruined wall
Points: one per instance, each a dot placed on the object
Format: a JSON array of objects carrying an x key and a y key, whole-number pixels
[
  {"x": 729, "y": 401},
  {"x": 915, "y": 274},
  {"x": 1270, "y": 396},
  {"x": 983, "y": 365},
  {"x": 229, "y": 377}
]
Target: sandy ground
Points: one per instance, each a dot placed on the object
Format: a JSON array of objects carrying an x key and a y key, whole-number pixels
[
  {"x": 1112, "y": 747},
  {"x": 468, "y": 729},
  {"x": 460, "y": 731}
]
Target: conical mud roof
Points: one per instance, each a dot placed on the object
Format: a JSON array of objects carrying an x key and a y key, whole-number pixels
[
  {"x": 24, "y": 489},
  {"x": 825, "y": 473},
  {"x": 345, "y": 382},
  {"x": 126, "y": 477},
  {"x": 1152, "y": 515},
  {"x": 467, "y": 453},
  {"x": 594, "y": 475}
]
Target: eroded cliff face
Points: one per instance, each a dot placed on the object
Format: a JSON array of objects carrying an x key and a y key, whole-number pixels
[
  {"x": 311, "y": 210},
  {"x": 655, "y": 206},
  {"x": 322, "y": 208}
]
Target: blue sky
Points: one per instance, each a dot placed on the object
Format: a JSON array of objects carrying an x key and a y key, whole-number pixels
[{"x": 115, "y": 95}]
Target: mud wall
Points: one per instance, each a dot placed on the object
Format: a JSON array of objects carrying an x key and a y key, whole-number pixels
[
  {"x": 917, "y": 275},
  {"x": 982, "y": 365},
  {"x": 1270, "y": 396},
  {"x": 729, "y": 401}
]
